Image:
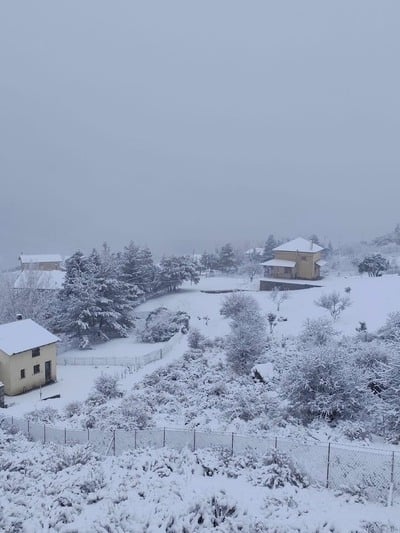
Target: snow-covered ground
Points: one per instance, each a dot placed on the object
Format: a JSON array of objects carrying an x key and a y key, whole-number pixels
[
  {"x": 75, "y": 382},
  {"x": 117, "y": 348},
  {"x": 148, "y": 490},
  {"x": 50, "y": 488},
  {"x": 372, "y": 299}
]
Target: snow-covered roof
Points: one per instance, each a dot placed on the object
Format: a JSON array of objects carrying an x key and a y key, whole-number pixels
[
  {"x": 279, "y": 263},
  {"x": 298, "y": 245},
  {"x": 40, "y": 279},
  {"x": 23, "y": 335},
  {"x": 39, "y": 258},
  {"x": 321, "y": 262}
]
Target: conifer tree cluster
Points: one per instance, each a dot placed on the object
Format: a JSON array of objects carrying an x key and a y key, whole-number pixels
[{"x": 101, "y": 289}]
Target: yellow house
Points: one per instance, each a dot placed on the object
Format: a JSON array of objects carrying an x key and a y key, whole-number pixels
[
  {"x": 296, "y": 259},
  {"x": 28, "y": 356}
]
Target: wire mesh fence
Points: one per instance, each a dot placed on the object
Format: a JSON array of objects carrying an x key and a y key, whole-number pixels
[
  {"x": 135, "y": 363},
  {"x": 370, "y": 473}
]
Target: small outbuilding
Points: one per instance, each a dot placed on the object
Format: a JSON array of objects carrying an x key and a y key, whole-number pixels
[{"x": 28, "y": 356}]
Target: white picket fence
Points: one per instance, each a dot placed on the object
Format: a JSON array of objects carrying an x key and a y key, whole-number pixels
[
  {"x": 374, "y": 473},
  {"x": 134, "y": 363}
]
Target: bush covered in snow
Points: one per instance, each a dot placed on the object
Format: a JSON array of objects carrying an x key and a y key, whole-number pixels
[
  {"x": 237, "y": 304},
  {"x": 196, "y": 340},
  {"x": 162, "y": 324},
  {"x": 247, "y": 339},
  {"x": 320, "y": 383},
  {"x": 319, "y": 332},
  {"x": 390, "y": 331}
]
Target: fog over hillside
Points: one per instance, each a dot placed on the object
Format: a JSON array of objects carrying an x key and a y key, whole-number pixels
[{"x": 184, "y": 126}]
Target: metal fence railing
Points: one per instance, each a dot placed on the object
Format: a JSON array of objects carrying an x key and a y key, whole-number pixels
[
  {"x": 371, "y": 473},
  {"x": 135, "y": 363}
]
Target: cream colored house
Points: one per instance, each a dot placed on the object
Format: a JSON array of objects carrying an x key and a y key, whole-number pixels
[
  {"x": 296, "y": 259},
  {"x": 28, "y": 356}
]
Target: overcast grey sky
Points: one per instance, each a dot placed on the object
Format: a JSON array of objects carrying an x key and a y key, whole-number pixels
[{"x": 184, "y": 125}]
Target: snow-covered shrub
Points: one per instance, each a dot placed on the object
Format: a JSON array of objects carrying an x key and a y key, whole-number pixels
[
  {"x": 72, "y": 456},
  {"x": 245, "y": 344},
  {"x": 196, "y": 339},
  {"x": 162, "y": 324},
  {"x": 217, "y": 512},
  {"x": 319, "y": 332},
  {"x": 247, "y": 340},
  {"x": 107, "y": 386},
  {"x": 390, "y": 331},
  {"x": 320, "y": 383},
  {"x": 391, "y": 397},
  {"x": 218, "y": 343},
  {"x": 137, "y": 412},
  {"x": 238, "y": 303},
  {"x": 371, "y": 355},
  {"x": 72, "y": 409},
  {"x": 93, "y": 482},
  {"x": 378, "y": 527},
  {"x": 47, "y": 415},
  {"x": 354, "y": 430},
  {"x": 277, "y": 470}
]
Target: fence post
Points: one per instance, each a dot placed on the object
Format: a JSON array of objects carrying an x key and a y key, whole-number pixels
[
  {"x": 232, "y": 443},
  {"x": 328, "y": 465},
  {"x": 160, "y": 353},
  {"x": 163, "y": 441},
  {"x": 391, "y": 486},
  {"x": 29, "y": 433},
  {"x": 276, "y": 443},
  {"x": 114, "y": 442},
  {"x": 88, "y": 436},
  {"x": 194, "y": 440},
  {"x": 135, "y": 439},
  {"x": 12, "y": 420},
  {"x": 44, "y": 433}
]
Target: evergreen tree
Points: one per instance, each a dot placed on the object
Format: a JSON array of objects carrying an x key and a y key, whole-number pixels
[
  {"x": 174, "y": 270},
  {"x": 112, "y": 296},
  {"x": 77, "y": 299},
  {"x": 138, "y": 269},
  {"x": 209, "y": 261},
  {"x": 269, "y": 245},
  {"x": 94, "y": 303},
  {"x": 227, "y": 259}
]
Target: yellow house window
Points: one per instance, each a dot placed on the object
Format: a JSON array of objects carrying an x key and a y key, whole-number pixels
[
  {"x": 304, "y": 258},
  {"x": 23, "y": 373},
  {"x": 36, "y": 369},
  {"x": 35, "y": 352}
]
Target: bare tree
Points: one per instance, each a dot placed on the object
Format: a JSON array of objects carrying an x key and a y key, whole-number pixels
[
  {"x": 278, "y": 297},
  {"x": 334, "y": 303}
]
